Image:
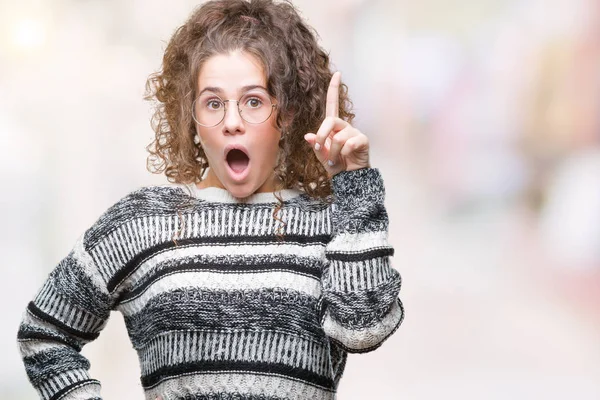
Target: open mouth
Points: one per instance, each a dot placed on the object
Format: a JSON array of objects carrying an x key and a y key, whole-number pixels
[{"x": 237, "y": 160}]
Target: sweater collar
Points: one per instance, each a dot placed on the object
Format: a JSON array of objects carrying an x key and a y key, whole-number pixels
[{"x": 218, "y": 195}]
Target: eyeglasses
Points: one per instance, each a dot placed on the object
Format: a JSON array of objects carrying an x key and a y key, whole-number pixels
[{"x": 255, "y": 107}]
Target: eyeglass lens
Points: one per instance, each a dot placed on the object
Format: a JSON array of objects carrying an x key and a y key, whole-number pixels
[{"x": 255, "y": 107}]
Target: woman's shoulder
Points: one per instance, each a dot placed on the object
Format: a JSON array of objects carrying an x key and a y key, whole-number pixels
[
  {"x": 145, "y": 201},
  {"x": 155, "y": 199}
]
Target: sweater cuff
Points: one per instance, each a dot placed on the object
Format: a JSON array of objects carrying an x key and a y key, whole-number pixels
[{"x": 361, "y": 184}]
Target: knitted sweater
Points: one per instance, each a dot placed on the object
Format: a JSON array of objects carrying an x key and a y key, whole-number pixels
[{"x": 221, "y": 299}]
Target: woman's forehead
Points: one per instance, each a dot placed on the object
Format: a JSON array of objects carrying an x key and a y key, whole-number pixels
[{"x": 231, "y": 72}]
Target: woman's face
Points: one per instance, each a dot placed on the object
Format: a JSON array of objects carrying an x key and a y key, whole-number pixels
[{"x": 242, "y": 156}]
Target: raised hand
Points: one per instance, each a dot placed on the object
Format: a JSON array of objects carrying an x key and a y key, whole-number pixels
[{"x": 337, "y": 144}]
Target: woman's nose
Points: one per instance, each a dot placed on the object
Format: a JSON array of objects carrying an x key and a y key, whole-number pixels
[{"x": 233, "y": 122}]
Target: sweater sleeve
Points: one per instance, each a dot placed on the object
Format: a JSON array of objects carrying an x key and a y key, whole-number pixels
[
  {"x": 69, "y": 311},
  {"x": 360, "y": 289}
]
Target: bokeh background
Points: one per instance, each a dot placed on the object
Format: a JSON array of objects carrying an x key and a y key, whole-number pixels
[{"x": 484, "y": 117}]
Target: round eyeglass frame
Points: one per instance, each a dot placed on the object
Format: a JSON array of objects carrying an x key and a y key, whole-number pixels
[{"x": 273, "y": 106}]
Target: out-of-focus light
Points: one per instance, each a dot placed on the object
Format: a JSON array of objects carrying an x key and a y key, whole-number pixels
[{"x": 28, "y": 34}]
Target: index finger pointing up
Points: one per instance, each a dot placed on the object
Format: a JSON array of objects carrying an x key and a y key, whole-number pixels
[{"x": 333, "y": 96}]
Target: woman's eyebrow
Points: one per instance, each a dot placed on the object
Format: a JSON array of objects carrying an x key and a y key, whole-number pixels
[
  {"x": 250, "y": 87},
  {"x": 243, "y": 89}
]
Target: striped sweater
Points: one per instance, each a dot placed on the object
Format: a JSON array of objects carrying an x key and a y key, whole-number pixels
[{"x": 222, "y": 298}]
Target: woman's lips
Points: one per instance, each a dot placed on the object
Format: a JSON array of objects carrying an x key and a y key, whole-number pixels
[{"x": 237, "y": 161}]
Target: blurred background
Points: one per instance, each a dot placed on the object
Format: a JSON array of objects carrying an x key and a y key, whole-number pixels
[{"x": 484, "y": 117}]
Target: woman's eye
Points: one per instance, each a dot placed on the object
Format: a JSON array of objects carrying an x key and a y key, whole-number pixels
[
  {"x": 213, "y": 104},
  {"x": 254, "y": 102}
]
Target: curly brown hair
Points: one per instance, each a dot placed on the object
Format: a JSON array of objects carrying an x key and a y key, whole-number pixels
[{"x": 297, "y": 73}]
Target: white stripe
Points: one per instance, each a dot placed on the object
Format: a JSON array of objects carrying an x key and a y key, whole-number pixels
[
  {"x": 271, "y": 223},
  {"x": 195, "y": 224},
  {"x": 302, "y": 225},
  {"x": 224, "y": 224},
  {"x": 240, "y": 337},
  {"x": 358, "y": 242},
  {"x": 236, "y": 224},
  {"x": 169, "y": 223},
  {"x": 223, "y": 281},
  {"x": 250, "y": 351},
  {"x": 194, "y": 345},
  {"x": 227, "y": 339},
  {"x": 283, "y": 226},
  {"x": 202, "y": 231},
  {"x": 296, "y": 218},
  {"x": 320, "y": 223},
  {"x": 260, "y": 348},
  {"x": 272, "y": 346},
  {"x": 315, "y": 252},
  {"x": 208, "y": 225},
  {"x": 30, "y": 347},
  {"x": 237, "y": 221},
  {"x": 361, "y": 275},
  {"x": 251, "y": 225},
  {"x": 244, "y": 221},
  {"x": 246, "y": 383},
  {"x": 147, "y": 224},
  {"x": 205, "y": 346}
]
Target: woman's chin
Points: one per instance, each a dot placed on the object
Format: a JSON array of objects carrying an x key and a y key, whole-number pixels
[{"x": 241, "y": 192}]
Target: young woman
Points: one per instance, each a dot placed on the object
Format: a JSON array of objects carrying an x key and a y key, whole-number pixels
[{"x": 266, "y": 262}]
